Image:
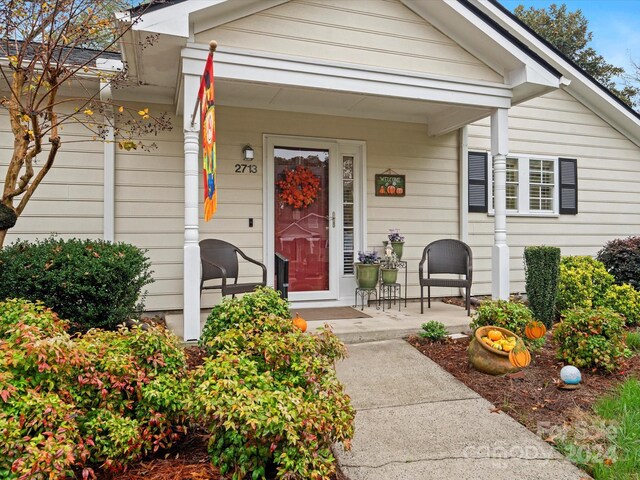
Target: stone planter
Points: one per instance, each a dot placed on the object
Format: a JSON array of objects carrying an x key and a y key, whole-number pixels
[
  {"x": 489, "y": 360},
  {"x": 367, "y": 275},
  {"x": 389, "y": 275}
]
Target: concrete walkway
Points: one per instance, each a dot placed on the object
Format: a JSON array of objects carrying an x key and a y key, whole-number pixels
[{"x": 416, "y": 421}]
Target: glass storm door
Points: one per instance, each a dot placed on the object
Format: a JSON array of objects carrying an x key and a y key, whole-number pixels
[{"x": 304, "y": 216}]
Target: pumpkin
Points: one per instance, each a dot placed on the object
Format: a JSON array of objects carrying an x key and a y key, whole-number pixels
[
  {"x": 535, "y": 330},
  {"x": 382, "y": 190},
  {"x": 300, "y": 322},
  {"x": 494, "y": 335},
  {"x": 520, "y": 357},
  {"x": 391, "y": 189},
  {"x": 399, "y": 191}
]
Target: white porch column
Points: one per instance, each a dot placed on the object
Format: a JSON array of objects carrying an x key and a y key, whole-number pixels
[
  {"x": 500, "y": 255},
  {"x": 191, "y": 293}
]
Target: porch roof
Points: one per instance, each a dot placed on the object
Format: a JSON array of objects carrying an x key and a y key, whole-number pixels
[{"x": 271, "y": 81}]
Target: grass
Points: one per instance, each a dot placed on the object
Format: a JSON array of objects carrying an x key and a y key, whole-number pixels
[
  {"x": 622, "y": 411},
  {"x": 606, "y": 443},
  {"x": 633, "y": 341}
]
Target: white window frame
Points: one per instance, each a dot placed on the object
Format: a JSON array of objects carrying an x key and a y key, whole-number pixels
[{"x": 523, "y": 186}]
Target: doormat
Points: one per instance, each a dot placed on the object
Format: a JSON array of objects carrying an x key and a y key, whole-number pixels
[{"x": 329, "y": 313}]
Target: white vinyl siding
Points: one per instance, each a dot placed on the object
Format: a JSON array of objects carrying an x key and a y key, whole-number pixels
[
  {"x": 149, "y": 208},
  {"x": 378, "y": 33},
  {"x": 68, "y": 202},
  {"x": 558, "y": 125}
]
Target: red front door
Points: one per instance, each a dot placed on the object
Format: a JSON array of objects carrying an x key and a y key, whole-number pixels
[{"x": 302, "y": 215}]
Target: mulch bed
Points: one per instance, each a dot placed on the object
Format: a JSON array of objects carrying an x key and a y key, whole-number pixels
[
  {"x": 535, "y": 399},
  {"x": 188, "y": 460}
]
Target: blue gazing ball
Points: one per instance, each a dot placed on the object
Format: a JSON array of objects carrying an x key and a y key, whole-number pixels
[{"x": 570, "y": 375}]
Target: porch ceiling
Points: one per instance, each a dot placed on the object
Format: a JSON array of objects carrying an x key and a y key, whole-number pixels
[{"x": 345, "y": 104}]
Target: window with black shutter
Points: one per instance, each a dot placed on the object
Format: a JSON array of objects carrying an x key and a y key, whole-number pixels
[
  {"x": 536, "y": 185},
  {"x": 478, "y": 182},
  {"x": 568, "y": 186}
]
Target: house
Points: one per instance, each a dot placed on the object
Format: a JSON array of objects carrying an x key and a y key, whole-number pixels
[{"x": 457, "y": 95}]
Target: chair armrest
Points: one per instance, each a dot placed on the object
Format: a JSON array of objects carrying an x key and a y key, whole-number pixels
[
  {"x": 260, "y": 264},
  {"x": 421, "y": 264},
  {"x": 219, "y": 267}
]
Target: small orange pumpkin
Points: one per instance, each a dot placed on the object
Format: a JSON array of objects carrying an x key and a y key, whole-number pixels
[
  {"x": 391, "y": 189},
  {"x": 535, "y": 330},
  {"x": 520, "y": 357},
  {"x": 382, "y": 191},
  {"x": 300, "y": 322}
]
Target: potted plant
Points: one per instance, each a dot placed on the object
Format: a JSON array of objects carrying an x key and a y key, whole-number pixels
[
  {"x": 367, "y": 269},
  {"x": 397, "y": 242},
  {"x": 389, "y": 266}
]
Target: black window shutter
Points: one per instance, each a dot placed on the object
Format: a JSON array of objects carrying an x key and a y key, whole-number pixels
[
  {"x": 568, "y": 186},
  {"x": 478, "y": 182}
]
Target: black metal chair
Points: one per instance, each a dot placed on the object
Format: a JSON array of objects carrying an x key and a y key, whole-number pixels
[
  {"x": 220, "y": 261},
  {"x": 446, "y": 256}
]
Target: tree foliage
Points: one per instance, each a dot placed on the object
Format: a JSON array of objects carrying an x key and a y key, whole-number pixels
[
  {"x": 50, "y": 77},
  {"x": 569, "y": 32}
]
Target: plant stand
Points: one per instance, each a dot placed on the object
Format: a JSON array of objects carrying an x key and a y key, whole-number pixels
[
  {"x": 362, "y": 293},
  {"x": 402, "y": 265},
  {"x": 390, "y": 292}
]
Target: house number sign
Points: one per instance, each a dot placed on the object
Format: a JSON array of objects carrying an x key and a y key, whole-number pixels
[{"x": 246, "y": 168}]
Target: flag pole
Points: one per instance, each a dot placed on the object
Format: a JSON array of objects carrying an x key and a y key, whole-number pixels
[{"x": 212, "y": 48}]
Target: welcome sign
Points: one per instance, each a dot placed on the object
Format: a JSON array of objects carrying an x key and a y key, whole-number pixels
[{"x": 390, "y": 185}]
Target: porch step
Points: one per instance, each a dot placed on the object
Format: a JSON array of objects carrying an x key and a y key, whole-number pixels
[{"x": 394, "y": 324}]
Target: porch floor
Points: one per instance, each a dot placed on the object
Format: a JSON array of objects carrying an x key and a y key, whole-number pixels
[{"x": 390, "y": 324}]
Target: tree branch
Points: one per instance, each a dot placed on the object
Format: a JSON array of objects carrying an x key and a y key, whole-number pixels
[{"x": 55, "y": 145}]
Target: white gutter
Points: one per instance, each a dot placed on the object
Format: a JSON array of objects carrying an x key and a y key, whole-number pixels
[
  {"x": 109, "y": 168},
  {"x": 464, "y": 189},
  {"x": 463, "y": 195}
]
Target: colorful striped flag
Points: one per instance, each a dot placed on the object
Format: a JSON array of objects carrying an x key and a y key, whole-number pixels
[{"x": 208, "y": 126}]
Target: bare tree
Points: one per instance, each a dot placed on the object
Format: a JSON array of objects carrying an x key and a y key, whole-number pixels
[{"x": 48, "y": 49}]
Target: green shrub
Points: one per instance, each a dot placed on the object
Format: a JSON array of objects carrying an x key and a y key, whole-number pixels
[
  {"x": 625, "y": 300},
  {"x": 92, "y": 283},
  {"x": 269, "y": 395},
  {"x": 434, "y": 331},
  {"x": 583, "y": 283},
  {"x": 542, "y": 266},
  {"x": 235, "y": 312},
  {"x": 14, "y": 311},
  {"x": 591, "y": 338},
  {"x": 513, "y": 316},
  {"x": 67, "y": 403},
  {"x": 621, "y": 257}
]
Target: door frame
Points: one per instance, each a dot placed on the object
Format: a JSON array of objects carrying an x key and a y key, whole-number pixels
[
  {"x": 335, "y": 247},
  {"x": 358, "y": 150}
]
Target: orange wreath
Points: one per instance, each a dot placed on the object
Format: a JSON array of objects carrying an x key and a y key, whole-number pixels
[{"x": 299, "y": 187}]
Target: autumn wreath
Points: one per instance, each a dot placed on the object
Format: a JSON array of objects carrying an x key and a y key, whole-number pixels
[{"x": 299, "y": 187}]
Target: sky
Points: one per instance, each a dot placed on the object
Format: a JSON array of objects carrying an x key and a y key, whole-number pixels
[{"x": 615, "y": 25}]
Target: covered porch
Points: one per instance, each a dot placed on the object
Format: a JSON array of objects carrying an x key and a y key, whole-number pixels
[
  {"x": 334, "y": 100},
  {"x": 441, "y": 105}
]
